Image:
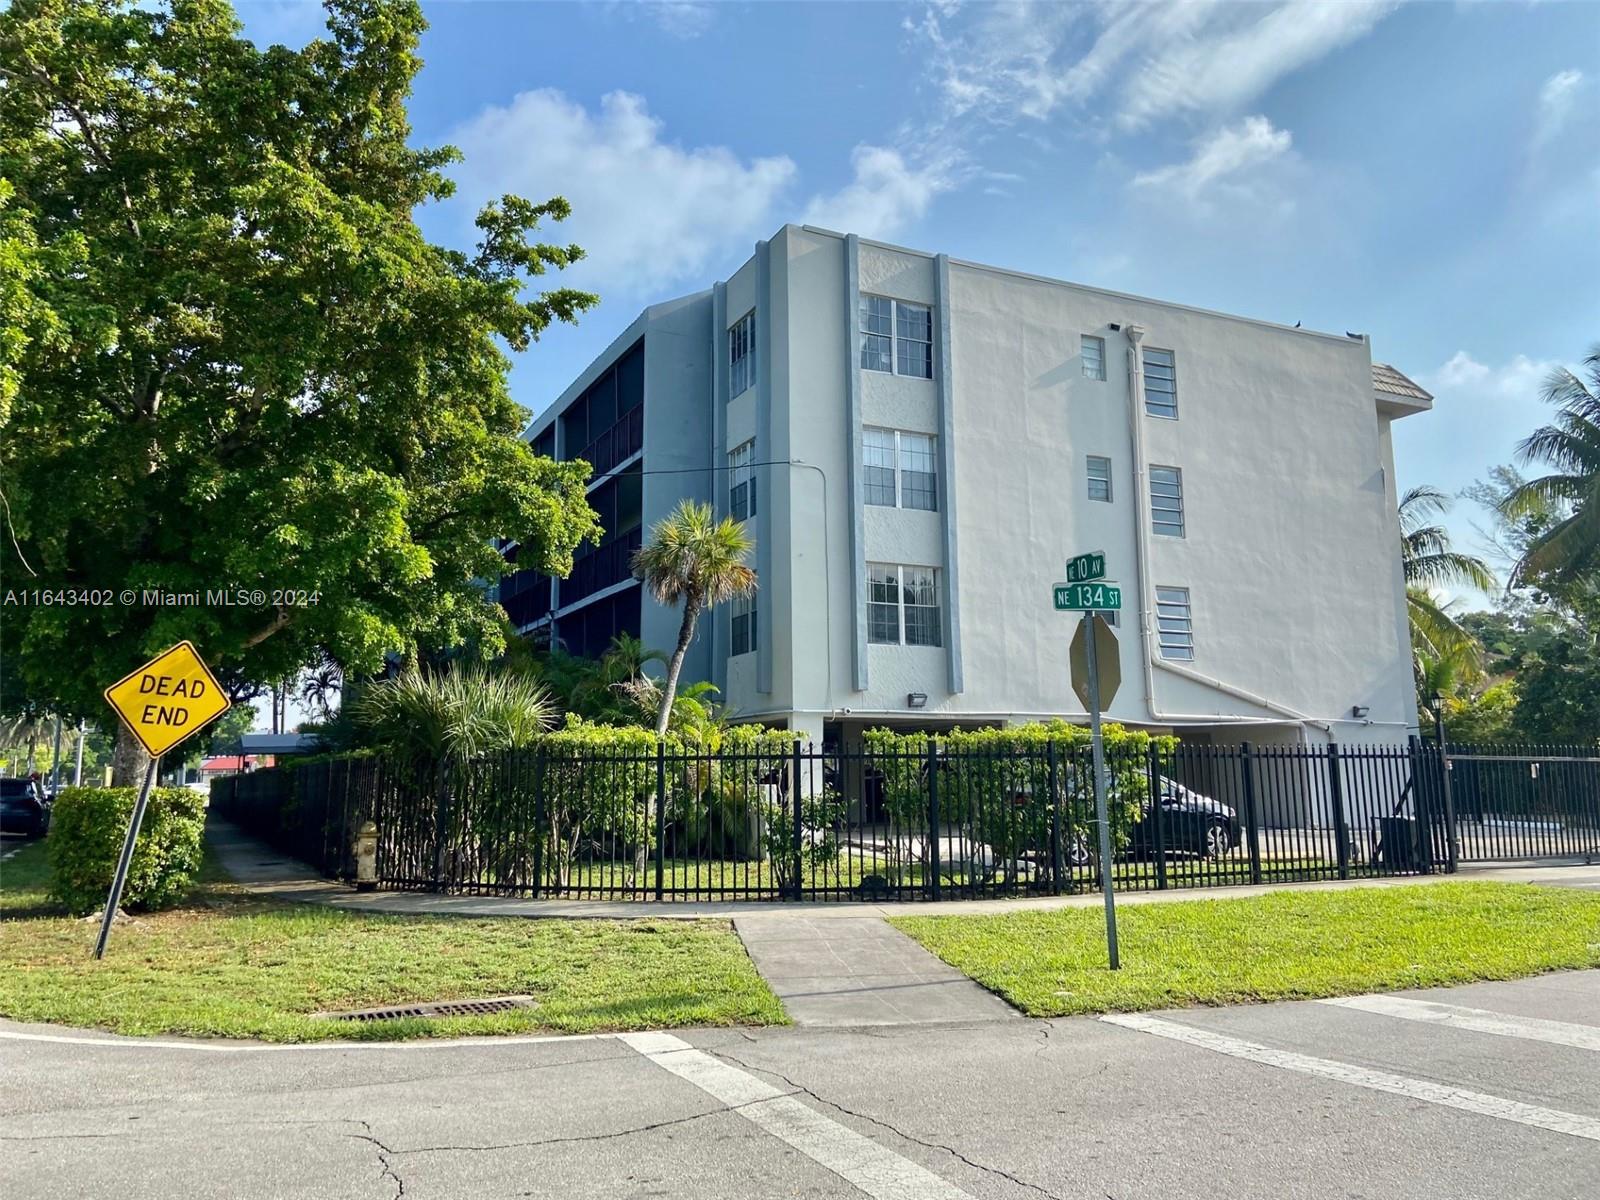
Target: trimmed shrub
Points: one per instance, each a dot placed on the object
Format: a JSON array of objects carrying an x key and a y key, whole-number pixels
[{"x": 87, "y": 827}]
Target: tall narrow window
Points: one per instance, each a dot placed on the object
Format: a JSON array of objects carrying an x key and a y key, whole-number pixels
[
  {"x": 744, "y": 625},
  {"x": 879, "y": 466},
  {"x": 883, "y": 603},
  {"x": 902, "y": 605},
  {"x": 918, "y": 481},
  {"x": 896, "y": 337},
  {"x": 913, "y": 340},
  {"x": 877, "y": 333},
  {"x": 1160, "y": 384},
  {"x": 921, "y": 606},
  {"x": 742, "y": 481},
  {"x": 1094, "y": 357},
  {"x": 742, "y": 354},
  {"x": 1174, "y": 627},
  {"x": 1166, "y": 501},
  {"x": 1099, "y": 478}
]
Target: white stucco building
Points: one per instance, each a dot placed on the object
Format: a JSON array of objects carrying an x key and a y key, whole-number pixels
[{"x": 919, "y": 443}]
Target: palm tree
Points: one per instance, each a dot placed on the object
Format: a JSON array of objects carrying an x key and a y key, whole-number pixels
[
  {"x": 1568, "y": 550},
  {"x": 699, "y": 561},
  {"x": 1429, "y": 562}
]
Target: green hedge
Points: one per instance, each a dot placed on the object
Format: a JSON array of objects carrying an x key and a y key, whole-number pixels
[{"x": 87, "y": 828}]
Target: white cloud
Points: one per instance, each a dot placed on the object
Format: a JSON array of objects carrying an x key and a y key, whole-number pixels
[
  {"x": 887, "y": 194},
  {"x": 681, "y": 18},
  {"x": 1146, "y": 62},
  {"x": 1465, "y": 379},
  {"x": 1226, "y": 154},
  {"x": 649, "y": 211},
  {"x": 1557, "y": 98}
]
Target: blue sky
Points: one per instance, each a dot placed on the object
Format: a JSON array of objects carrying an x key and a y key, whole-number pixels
[{"x": 1425, "y": 173}]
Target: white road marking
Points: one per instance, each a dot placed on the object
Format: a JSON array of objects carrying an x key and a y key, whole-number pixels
[
  {"x": 860, "y": 1161},
  {"x": 1478, "y": 1020},
  {"x": 1481, "y": 1103},
  {"x": 133, "y": 1043}
]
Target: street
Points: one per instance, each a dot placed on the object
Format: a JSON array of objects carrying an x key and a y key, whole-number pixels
[{"x": 1490, "y": 1090}]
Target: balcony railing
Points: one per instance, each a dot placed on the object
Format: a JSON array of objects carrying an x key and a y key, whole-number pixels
[
  {"x": 602, "y": 567},
  {"x": 616, "y": 444}
]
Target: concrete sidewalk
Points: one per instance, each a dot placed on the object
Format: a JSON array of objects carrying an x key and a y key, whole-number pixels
[{"x": 262, "y": 869}]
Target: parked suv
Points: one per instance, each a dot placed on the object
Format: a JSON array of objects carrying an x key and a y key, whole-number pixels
[
  {"x": 23, "y": 808},
  {"x": 1190, "y": 823}
]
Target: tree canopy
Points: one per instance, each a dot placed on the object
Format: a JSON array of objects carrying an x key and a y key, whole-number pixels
[{"x": 233, "y": 362}]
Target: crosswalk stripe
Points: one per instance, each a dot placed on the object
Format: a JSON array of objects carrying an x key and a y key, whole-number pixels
[
  {"x": 1478, "y": 1020},
  {"x": 860, "y": 1161},
  {"x": 1554, "y": 1120}
]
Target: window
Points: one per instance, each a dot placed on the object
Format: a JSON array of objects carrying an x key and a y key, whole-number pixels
[
  {"x": 896, "y": 337},
  {"x": 1160, "y": 384},
  {"x": 1099, "y": 478},
  {"x": 1094, "y": 357},
  {"x": 1166, "y": 500},
  {"x": 744, "y": 624},
  {"x": 902, "y": 599},
  {"x": 742, "y": 354},
  {"x": 878, "y": 452},
  {"x": 1174, "y": 627},
  {"x": 899, "y": 469},
  {"x": 742, "y": 481}
]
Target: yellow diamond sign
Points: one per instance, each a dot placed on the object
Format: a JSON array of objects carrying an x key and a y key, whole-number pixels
[{"x": 171, "y": 697}]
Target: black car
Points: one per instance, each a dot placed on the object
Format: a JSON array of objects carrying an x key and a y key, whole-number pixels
[
  {"x": 23, "y": 808},
  {"x": 1190, "y": 823}
]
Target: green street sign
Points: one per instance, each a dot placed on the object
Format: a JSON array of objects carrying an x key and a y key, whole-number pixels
[
  {"x": 1093, "y": 597},
  {"x": 1086, "y": 568}
]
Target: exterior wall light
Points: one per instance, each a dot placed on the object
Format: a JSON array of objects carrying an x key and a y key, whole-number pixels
[
  {"x": 1359, "y": 711},
  {"x": 916, "y": 699}
]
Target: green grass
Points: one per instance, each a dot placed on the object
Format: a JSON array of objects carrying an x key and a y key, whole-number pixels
[
  {"x": 227, "y": 964},
  {"x": 1280, "y": 946}
]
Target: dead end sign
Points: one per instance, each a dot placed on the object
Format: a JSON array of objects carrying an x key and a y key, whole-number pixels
[{"x": 169, "y": 698}]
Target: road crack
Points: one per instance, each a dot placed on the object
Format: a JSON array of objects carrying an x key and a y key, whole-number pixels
[{"x": 899, "y": 1133}]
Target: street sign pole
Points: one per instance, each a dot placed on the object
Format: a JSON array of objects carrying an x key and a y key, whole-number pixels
[
  {"x": 121, "y": 877},
  {"x": 1100, "y": 791}
]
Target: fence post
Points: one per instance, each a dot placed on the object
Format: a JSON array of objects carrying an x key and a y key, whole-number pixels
[
  {"x": 1341, "y": 834},
  {"x": 797, "y": 832},
  {"x": 538, "y": 821},
  {"x": 1056, "y": 862},
  {"x": 1451, "y": 845},
  {"x": 1157, "y": 817},
  {"x": 933, "y": 817},
  {"x": 1252, "y": 820},
  {"x": 441, "y": 821},
  {"x": 661, "y": 819}
]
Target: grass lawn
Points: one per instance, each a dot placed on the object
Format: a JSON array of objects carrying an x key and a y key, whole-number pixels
[
  {"x": 1280, "y": 946},
  {"x": 230, "y": 965}
]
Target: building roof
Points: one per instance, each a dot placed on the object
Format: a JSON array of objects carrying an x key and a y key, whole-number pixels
[
  {"x": 279, "y": 743},
  {"x": 233, "y": 762},
  {"x": 1386, "y": 379}
]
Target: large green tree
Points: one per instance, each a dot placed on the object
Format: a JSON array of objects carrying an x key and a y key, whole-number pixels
[
  {"x": 239, "y": 365},
  {"x": 1430, "y": 562}
]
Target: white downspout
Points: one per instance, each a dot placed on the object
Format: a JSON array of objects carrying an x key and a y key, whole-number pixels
[{"x": 1149, "y": 651}]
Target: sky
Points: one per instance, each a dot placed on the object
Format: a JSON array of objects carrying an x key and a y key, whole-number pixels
[{"x": 1425, "y": 173}]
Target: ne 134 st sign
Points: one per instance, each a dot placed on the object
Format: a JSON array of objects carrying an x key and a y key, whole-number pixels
[{"x": 1088, "y": 597}]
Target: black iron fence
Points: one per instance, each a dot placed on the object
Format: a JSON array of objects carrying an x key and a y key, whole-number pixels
[{"x": 870, "y": 823}]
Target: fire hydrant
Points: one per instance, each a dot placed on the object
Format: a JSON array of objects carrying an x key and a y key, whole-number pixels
[{"x": 366, "y": 848}]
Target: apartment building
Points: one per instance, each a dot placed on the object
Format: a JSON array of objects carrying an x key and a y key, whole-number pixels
[{"x": 918, "y": 444}]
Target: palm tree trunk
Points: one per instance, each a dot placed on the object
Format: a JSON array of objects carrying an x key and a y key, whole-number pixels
[
  {"x": 129, "y": 760},
  {"x": 669, "y": 690}
]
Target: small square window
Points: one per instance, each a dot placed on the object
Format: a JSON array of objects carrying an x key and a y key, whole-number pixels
[
  {"x": 1094, "y": 357},
  {"x": 896, "y": 337}
]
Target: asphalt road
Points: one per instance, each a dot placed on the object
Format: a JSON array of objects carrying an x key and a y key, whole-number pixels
[{"x": 1487, "y": 1091}]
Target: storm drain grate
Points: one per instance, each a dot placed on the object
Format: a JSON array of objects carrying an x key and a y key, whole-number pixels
[{"x": 445, "y": 1008}]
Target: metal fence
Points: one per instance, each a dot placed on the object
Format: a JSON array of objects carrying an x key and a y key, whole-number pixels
[{"x": 868, "y": 823}]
